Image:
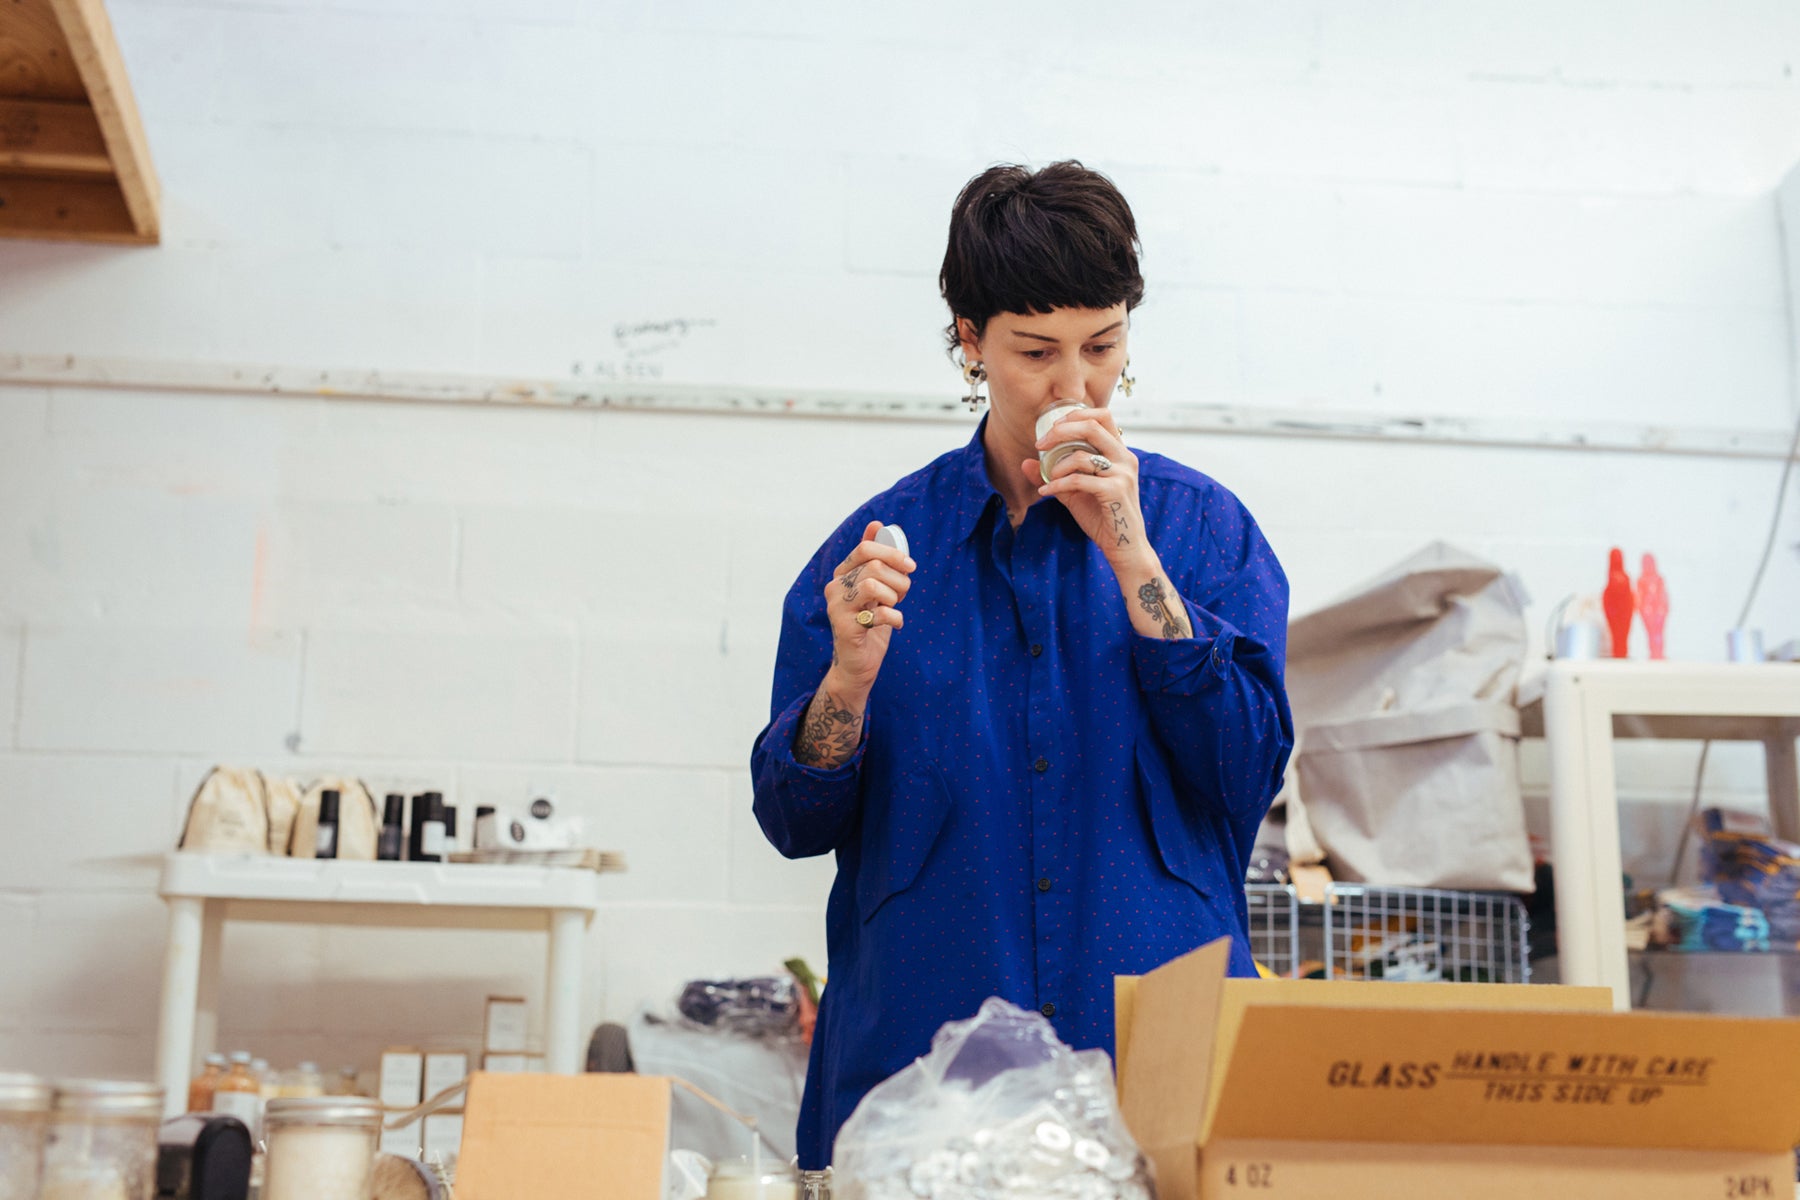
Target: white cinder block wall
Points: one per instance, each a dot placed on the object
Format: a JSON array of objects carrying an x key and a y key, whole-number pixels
[{"x": 1492, "y": 209}]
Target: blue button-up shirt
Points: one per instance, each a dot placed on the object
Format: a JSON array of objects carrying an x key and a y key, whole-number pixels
[{"x": 1043, "y": 798}]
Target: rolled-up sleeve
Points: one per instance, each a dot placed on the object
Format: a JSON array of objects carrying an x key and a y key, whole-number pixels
[
  {"x": 1217, "y": 701},
  {"x": 803, "y": 810}
]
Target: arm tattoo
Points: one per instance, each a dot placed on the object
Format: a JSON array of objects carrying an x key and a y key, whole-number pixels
[
  {"x": 1120, "y": 527},
  {"x": 829, "y": 733},
  {"x": 1155, "y": 599},
  {"x": 849, "y": 582}
]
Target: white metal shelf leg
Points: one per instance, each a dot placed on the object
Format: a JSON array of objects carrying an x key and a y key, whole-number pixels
[
  {"x": 562, "y": 1003},
  {"x": 206, "y": 1001},
  {"x": 1577, "y": 949},
  {"x": 1783, "y": 770},
  {"x": 180, "y": 998}
]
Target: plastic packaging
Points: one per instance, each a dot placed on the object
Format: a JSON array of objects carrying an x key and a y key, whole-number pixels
[
  {"x": 764, "y": 1007},
  {"x": 1000, "y": 1109},
  {"x": 1754, "y": 870},
  {"x": 24, "y": 1125}
]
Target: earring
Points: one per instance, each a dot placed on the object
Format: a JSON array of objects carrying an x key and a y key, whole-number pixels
[
  {"x": 1126, "y": 380},
  {"x": 976, "y": 375}
]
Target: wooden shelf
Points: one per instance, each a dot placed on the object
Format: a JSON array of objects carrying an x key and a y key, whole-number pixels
[{"x": 74, "y": 160}]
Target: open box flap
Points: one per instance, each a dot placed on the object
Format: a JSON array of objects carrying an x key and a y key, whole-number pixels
[
  {"x": 1165, "y": 1045},
  {"x": 1511, "y": 1078},
  {"x": 568, "y": 1136}
]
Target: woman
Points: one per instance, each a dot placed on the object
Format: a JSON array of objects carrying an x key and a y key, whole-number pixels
[{"x": 1042, "y": 743}]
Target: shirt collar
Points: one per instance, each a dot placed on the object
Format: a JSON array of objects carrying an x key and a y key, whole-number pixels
[{"x": 975, "y": 492}]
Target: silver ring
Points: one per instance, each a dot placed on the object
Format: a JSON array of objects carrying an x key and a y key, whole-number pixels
[{"x": 1101, "y": 463}]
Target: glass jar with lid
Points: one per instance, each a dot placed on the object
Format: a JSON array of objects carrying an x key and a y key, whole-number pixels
[
  {"x": 321, "y": 1147},
  {"x": 102, "y": 1142},
  {"x": 742, "y": 1180},
  {"x": 24, "y": 1124}
]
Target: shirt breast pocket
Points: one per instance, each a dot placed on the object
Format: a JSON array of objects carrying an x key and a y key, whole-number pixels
[
  {"x": 903, "y": 816},
  {"x": 1184, "y": 838}
]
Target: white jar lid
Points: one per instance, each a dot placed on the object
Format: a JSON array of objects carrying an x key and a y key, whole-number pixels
[
  {"x": 323, "y": 1110},
  {"x": 108, "y": 1098}
]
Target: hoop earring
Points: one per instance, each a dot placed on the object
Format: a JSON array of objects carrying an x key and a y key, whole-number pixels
[
  {"x": 1126, "y": 380},
  {"x": 976, "y": 375}
]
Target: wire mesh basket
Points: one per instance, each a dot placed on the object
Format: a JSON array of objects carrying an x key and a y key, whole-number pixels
[
  {"x": 1423, "y": 934},
  {"x": 1274, "y": 927}
]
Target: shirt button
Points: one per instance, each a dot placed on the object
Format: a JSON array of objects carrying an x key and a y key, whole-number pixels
[
  {"x": 1044, "y": 884},
  {"x": 1036, "y": 649},
  {"x": 1049, "y": 1010},
  {"x": 1041, "y": 765}
]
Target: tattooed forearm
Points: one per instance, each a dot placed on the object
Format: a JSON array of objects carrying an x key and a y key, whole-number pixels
[
  {"x": 829, "y": 733},
  {"x": 1121, "y": 528},
  {"x": 1161, "y": 603}
]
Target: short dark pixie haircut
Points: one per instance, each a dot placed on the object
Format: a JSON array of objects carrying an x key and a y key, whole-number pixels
[{"x": 1026, "y": 241}]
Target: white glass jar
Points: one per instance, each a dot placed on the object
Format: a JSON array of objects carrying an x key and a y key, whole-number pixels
[
  {"x": 741, "y": 1181},
  {"x": 102, "y": 1143},
  {"x": 24, "y": 1125},
  {"x": 321, "y": 1147},
  {"x": 1047, "y": 459}
]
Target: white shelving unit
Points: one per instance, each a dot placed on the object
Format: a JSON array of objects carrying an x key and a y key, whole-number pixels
[
  {"x": 203, "y": 891},
  {"x": 1578, "y": 708}
]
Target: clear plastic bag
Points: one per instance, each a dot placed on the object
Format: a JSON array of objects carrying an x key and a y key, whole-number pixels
[{"x": 1000, "y": 1109}]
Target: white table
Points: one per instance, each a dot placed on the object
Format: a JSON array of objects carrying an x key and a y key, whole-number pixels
[
  {"x": 205, "y": 890},
  {"x": 1585, "y": 705}
]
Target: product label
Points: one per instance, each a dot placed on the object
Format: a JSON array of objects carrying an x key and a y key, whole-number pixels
[
  {"x": 325, "y": 845},
  {"x": 431, "y": 838},
  {"x": 245, "y": 1106}
]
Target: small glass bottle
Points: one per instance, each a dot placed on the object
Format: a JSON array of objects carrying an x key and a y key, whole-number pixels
[
  {"x": 321, "y": 1148},
  {"x": 303, "y": 1082},
  {"x": 200, "y": 1091},
  {"x": 102, "y": 1141},
  {"x": 325, "y": 839},
  {"x": 238, "y": 1094},
  {"x": 24, "y": 1126}
]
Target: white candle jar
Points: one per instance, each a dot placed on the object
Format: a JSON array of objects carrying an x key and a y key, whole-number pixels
[
  {"x": 321, "y": 1147},
  {"x": 102, "y": 1143},
  {"x": 24, "y": 1125}
]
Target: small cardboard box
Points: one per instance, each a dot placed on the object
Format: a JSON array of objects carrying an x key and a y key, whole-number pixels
[
  {"x": 572, "y": 1137},
  {"x": 504, "y": 1031},
  {"x": 1271, "y": 1090},
  {"x": 401, "y": 1087},
  {"x": 444, "y": 1069}
]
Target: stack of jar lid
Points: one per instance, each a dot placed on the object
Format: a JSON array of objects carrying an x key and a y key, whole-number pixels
[{"x": 82, "y": 1139}]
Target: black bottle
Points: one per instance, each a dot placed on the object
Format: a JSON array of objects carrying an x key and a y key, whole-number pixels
[
  {"x": 393, "y": 829},
  {"x": 421, "y": 808},
  {"x": 325, "y": 844},
  {"x": 431, "y": 829}
]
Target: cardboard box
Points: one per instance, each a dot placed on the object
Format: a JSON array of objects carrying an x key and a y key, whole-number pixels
[
  {"x": 445, "y": 1069},
  {"x": 572, "y": 1137},
  {"x": 512, "y": 1064},
  {"x": 508, "y": 1021},
  {"x": 1271, "y": 1090},
  {"x": 443, "y": 1137},
  {"x": 402, "y": 1086}
]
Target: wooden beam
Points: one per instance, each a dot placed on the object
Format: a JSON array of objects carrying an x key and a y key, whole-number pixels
[
  {"x": 88, "y": 210},
  {"x": 35, "y": 61},
  {"x": 51, "y": 137},
  {"x": 96, "y": 51}
]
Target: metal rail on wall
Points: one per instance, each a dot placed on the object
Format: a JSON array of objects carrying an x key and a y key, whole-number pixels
[{"x": 148, "y": 375}]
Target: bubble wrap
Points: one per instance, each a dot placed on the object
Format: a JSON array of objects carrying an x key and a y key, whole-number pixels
[{"x": 998, "y": 1110}]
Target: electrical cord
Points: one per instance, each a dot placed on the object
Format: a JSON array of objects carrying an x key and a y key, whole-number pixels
[{"x": 1762, "y": 566}]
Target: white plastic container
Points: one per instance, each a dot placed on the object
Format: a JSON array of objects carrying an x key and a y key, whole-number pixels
[
  {"x": 102, "y": 1142},
  {"x": 321, "y": 1148},
  {"x": 24, "y": 1127}
]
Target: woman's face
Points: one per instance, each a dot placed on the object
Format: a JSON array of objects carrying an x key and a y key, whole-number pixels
[{"x": 1036, "y": 361}]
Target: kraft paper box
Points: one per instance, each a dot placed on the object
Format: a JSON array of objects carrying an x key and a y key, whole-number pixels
[
  {"x": 564, "y": 1137},
  {"x": 1287, "y": 1089}
]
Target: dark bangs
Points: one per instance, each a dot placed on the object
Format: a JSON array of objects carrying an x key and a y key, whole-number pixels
[{"x": 1029, "y": 241}]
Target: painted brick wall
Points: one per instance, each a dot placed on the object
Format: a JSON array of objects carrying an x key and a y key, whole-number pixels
[{"x": 1485, "y": 209}]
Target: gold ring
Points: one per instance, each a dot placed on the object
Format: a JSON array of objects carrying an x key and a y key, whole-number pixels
[{"x": 866, "y": 617}]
